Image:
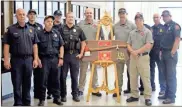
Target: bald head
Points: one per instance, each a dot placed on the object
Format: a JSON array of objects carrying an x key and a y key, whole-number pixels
[
  {"x": 156, "y": 18},
  {"x": 20, "y": 15},
  {"x": 89, "y": 13}
]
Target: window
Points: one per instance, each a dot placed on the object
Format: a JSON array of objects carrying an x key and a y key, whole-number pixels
[
  {"x": 49, "y": 8},
  {"x": 55, "y": 6},
  {"x": 41, "y": 8},
  {"x": 74, "y": 10},
  {"x": 84, "y": 8},
  {"x": 19, "y": 4},
  {"x": 96, "y": 14},
  {"x": 62, "y": 8},
  {"x": 27, "y": 6},
  {"x": 81, "y": 12},
  {"x": 35, "y": 6}
]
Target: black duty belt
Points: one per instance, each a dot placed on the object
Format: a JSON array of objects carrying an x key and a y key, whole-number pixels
[
  {"x": 71, "y": 51},
  {"x": 22, "y": 56},
  {"x": 49, "y": 55},
  {"x": 165, "y": 49},
  {"x": 143, "y": 54}
]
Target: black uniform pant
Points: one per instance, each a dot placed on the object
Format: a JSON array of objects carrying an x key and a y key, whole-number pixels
[
  {"x": 72, "y": 63},
  {"x": 49, "y": 85},
  {"x": 50, "y": 67},
  {"x": 36, "y": 79},
  {"x": 21, "y": 72}
]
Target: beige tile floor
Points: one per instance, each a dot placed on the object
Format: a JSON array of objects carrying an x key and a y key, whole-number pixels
[{"x": 108, "y": 100}]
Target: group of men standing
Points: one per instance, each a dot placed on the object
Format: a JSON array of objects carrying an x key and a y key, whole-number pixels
[
  {"x": 147, "y": 46},
  {"x": 57, "y": 47}
]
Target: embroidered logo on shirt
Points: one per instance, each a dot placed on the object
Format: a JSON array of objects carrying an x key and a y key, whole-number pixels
[
  {"x": 94, "y": 25},
  {"x": 141, "y": 33}
]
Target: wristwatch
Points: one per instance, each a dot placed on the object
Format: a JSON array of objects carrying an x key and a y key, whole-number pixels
[{"x": 60, "y": 57}]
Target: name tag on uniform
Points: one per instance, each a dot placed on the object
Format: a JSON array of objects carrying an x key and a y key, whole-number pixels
[{"x": 15, "y": 33}]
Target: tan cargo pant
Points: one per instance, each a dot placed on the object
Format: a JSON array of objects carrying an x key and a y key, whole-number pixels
[
  {"x": 140, "y": 66},
  {"x": 120, "y": 70},
  {"x": 82, "y": 77}
]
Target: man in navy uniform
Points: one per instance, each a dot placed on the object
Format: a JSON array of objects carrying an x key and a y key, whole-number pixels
[
  {"x": 74, "y": 39},
  {"x": 158, "y": 33},
  {"x": 21, "y": 42},
  {"x": 57, "y": 25},
  {"x": 50, "y": 58},
  {"x": 38, "y": 27},
  {"x": 169, "y": 56}
]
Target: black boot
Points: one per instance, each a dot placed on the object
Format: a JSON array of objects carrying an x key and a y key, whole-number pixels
[
  {"x": 57, "y": 101},
  {"x": 41, "y": 103},
  {"x": 76, "y": 98}
]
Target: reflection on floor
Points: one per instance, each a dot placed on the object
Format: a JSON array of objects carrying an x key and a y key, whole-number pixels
[{"x": 109, "y": 100}]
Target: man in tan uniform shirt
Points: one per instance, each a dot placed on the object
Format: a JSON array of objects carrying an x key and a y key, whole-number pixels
[
  {"x": 89, "y": 27},
  {"x": 140, "y": 43},
  {"x": 121, "y": 32}
]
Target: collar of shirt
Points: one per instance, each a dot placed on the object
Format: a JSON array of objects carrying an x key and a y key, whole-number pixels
[
  {"x": 57, "y": 24},
  {"x": 17, "y": 24},
  {"x": 51, "y": 31},
  {"x": 35, "y": 24},
  {"x": 157, "y": 26},
  {"x": 86, "y": 23},
  {"x": 126, "y": 23},
  {"x": 168, "y": 23},
  {"x": 143, "y": 29},
  {"x": 68, "y": 27}
]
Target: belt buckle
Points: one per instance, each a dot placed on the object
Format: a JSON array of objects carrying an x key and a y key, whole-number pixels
[{"x": 71, "y": 51}]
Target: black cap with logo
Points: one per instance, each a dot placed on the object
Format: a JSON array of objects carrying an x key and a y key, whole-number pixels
[
  {"x": 32, "y": 11},
  {"x": 47, "y": 17},
  {"x": 58, "y": 13}
]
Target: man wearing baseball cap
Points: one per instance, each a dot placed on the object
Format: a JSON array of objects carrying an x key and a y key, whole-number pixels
[
  {"x": 169, "y": 58},
  {"x": 57, "y": 25},
  {"x": 50, "y": 58},
  {"x": 57, "y": 21},
  {"x": 140, "y": 42},
  {"x": 32, "y": 14},
  {"x": 121, "y": 32}
]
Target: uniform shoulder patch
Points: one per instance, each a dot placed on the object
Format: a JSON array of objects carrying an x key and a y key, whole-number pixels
[{"x": 177, "y": 27}]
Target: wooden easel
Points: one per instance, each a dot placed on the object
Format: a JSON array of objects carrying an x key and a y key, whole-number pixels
[{"x": 106, "y": 20}]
